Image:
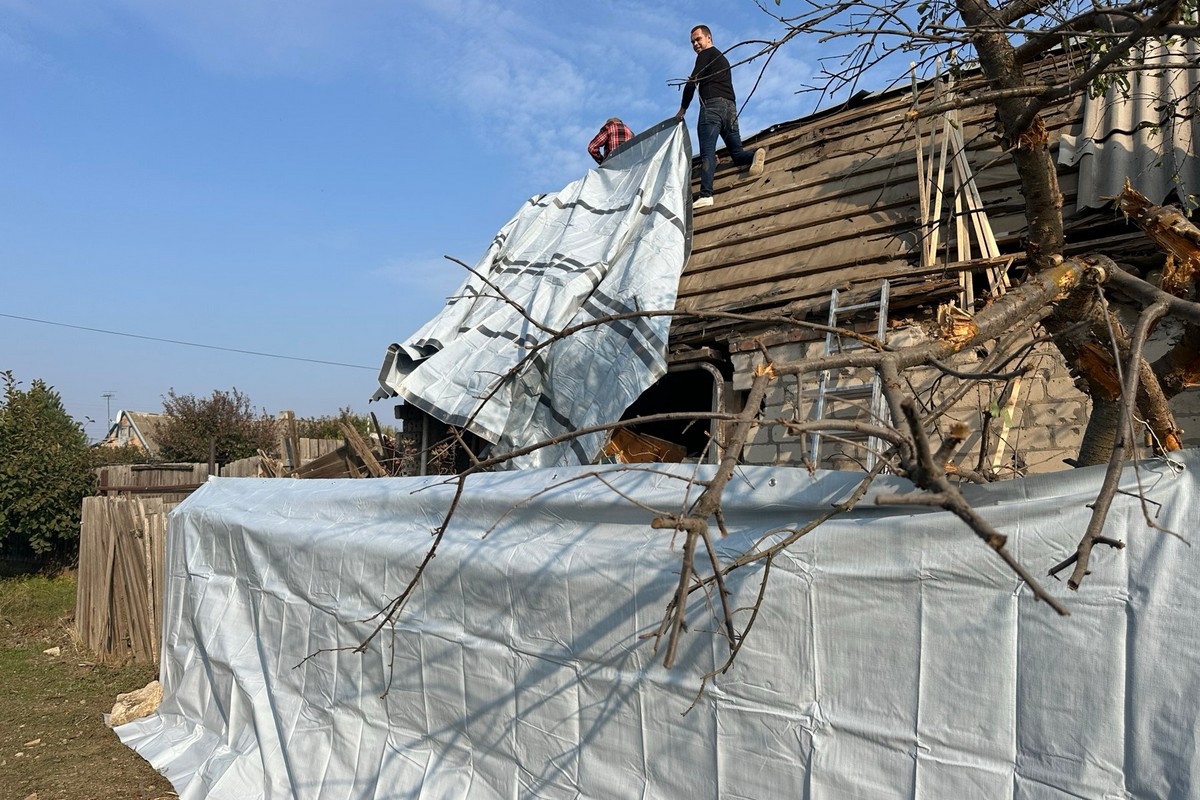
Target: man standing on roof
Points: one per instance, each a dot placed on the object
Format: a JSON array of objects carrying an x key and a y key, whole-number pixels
[
  {"x": 611, "y": 136},
  {"x": 718, "y": 113}
]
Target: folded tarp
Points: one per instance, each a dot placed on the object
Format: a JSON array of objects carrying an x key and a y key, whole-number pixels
[
  {"x": 613, "y": 242},
  {"x": 895, "y": 656}
]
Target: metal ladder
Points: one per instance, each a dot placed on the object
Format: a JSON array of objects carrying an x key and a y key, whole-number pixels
[{"x": 873, "y": 388}]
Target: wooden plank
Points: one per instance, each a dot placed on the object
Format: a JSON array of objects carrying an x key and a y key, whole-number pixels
[
  {"x": 812, "y": 168},
  {"x": 858, "y": 128},
  {"x": 121, "y": 577},
  {"x": 122, "y": 641},
  {"x": 88, "y": 567},
  {"x": 749, "y": 248},
  {"x": 121, "y": 646},
  {"x": 362, "y": 450},
  {"x": 102, "y": 632},
  {"x": 906, "y": 291},
  {"x": 134, "y": 577},
  {"x": 863, "y": 229},
  {"x": 158, "y": 540},
  {"x": 146, "y": 578},
  {"x": 837, "y": 195},
  {"x": 931, "y": 293},
  {"x": 777, "y": 258}
]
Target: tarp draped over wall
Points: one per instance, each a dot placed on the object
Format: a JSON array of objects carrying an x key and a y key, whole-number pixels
[
  {"x": 895, "y": 655},
  {"x": 612, "y": 242}
]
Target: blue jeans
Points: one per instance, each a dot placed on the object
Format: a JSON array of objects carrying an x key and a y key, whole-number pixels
[{"x": 718, "y": 116}]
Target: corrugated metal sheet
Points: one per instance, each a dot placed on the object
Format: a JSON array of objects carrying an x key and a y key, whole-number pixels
[{"x": 1144, "y": 133}]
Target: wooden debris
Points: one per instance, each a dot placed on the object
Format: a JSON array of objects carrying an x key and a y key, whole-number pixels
[
  {"x": 627, "y": 447},
  {"x": 1171, "y": 231},
  {"x": 122, "y": 546},
  {"x": 361, "y": 449},
  {"x": 955, "y": 324}
]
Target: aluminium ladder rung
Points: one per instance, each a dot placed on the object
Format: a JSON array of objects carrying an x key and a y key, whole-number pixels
[
  {"x": 872, "y": 388},
  {"x": 858, "y": 307},
  {"x": 863, "y": 388}
]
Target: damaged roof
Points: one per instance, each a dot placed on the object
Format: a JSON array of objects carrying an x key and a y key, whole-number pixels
[{"x": 838, "y": 207}]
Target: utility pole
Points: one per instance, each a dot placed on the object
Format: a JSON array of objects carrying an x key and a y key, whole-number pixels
[{"x": 108, "y": 396}]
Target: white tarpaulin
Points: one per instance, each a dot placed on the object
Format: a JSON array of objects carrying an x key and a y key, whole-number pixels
[
  {"x": 895, "y": 656},
  {"x": 613, "y": 242}
]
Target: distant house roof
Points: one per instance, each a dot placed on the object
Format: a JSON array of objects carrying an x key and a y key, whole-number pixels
[{"x": 137, "y": 428}]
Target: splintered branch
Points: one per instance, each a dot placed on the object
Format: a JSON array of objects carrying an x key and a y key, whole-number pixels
[
  {"x": 1121, "y": 449},
  {"x": 722, "y": 590},
  {"x": 753, "y": 556},
  {"x": 685, "y": 576}
]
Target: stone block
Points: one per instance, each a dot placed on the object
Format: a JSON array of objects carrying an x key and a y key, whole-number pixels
[
  {"x": 136, "y": 704},
  {"x": 760, "y": 435},
  {"x": 761, "y": 455}
]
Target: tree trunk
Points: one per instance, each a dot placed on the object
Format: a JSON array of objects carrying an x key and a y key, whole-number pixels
[
  {"x": 1101, "y": 434},
  {"x": 1025, "y": 132}
]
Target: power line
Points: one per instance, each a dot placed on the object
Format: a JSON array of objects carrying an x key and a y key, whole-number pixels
[{"x": 187, "y": 344}]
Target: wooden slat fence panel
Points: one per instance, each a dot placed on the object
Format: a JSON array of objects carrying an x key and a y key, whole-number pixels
[
  {"x": 122, "y": 548},
  {"x": 152, "y": 479},
  {"x": 250, "y": 467}
]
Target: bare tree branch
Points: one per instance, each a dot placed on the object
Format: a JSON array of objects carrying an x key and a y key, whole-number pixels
[{"x": 1092, "y": 536}]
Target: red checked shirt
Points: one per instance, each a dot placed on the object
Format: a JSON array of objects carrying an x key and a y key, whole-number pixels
[{"x": 610, "y": 137}]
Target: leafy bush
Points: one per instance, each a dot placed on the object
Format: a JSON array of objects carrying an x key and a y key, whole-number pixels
[
  {"x": 225, "y": 420},
  {"x": 45, "y": 472},
  {"x": 125, "y": 454},
  {"x": 327, "y": 427}
]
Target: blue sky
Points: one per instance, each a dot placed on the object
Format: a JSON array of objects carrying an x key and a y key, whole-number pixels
[{"x": 284, "y": 176}]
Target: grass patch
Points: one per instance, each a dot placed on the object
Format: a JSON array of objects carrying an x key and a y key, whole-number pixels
[{"x": 53, "y": 740}]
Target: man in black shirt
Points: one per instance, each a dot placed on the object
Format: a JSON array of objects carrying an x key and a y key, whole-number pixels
[{"x": 718, "y": 113}]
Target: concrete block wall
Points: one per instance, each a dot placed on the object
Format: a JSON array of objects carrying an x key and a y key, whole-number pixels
[{"x": 1047, "y": 417}]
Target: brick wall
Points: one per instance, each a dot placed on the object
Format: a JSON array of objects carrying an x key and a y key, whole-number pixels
[{"x": 1040, "y": 419}]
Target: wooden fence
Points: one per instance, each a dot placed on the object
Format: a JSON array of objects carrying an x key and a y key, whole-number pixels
[
  {"x": 118, "y": 603},
  {"x": 123, "y": 540},
  {"x": 172, "y": 482}
]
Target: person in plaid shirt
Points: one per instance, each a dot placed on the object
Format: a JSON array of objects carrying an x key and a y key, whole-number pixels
[{"x": 611, "y": 136}]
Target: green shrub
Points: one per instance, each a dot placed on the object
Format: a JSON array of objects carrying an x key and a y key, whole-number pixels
[
  {"x": 45, "y": 472},
  {"x": 328, "y": 427},
  {"x": 226, "y": 421},
  {"x": 125, "y": 454}
]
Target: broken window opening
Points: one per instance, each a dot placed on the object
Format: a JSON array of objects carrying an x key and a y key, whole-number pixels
[{"x": 694, "y": 387}]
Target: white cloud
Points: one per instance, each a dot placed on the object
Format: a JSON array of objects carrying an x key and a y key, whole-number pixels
[
  {"x": 531, "y": 81},
  {"x": 775, "y": 99}
]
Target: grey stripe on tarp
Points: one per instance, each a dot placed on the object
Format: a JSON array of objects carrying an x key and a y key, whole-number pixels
[
  {"x": 636, "y": 344},
  {"x": 643, "y": 209},
  {"x": 564, "y": 421},
  {"x": 645, "y": 325}
]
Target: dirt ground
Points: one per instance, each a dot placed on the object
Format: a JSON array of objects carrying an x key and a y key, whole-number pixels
[{"x": 53, "y": 740}]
